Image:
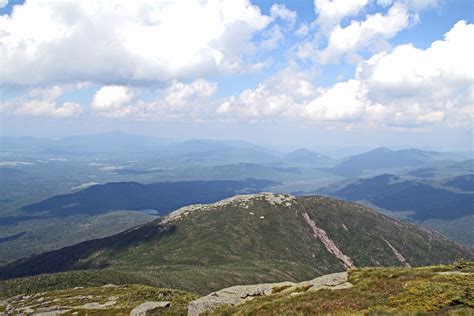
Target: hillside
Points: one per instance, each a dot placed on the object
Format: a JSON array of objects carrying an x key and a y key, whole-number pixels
[
  {"x": 446, "y": 205},
  {"x": 109, "y": 299},
  {"x": 250, "y": 239},
  {"x": 159, "y": 198},
  {"x": 384, "y": 158},
  {"x": 103, "y": 210},
  {"x": 424, "y": 199},
  {"x": 443, "y": 289},
  {"x": 427, "y": 290},
  {"x": 304, "y": 156}
]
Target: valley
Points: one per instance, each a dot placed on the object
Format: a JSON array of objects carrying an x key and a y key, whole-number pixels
[
  {"x": 236, "y": 157},
  {"x": 55, "y": 193}
]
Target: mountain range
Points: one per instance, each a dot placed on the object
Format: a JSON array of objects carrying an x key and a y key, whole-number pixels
[
  {"x": 384, "y": 158},
  {"x": 158, "y": 198},
  {"x": 249, "y": 239},
  {"x": 446, "y": 205}
]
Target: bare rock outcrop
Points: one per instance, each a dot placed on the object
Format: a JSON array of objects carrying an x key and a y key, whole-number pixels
[
  {"x": 241, "y": 293},
  {"x": 148, "y": 307}
]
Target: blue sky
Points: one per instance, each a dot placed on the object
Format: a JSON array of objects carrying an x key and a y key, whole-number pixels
[{"x": 285, "y": 73}]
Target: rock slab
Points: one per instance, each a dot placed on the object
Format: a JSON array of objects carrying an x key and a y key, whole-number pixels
[
  {"x": 241, "y": 293},
  {"x": 148, "y": 307}
]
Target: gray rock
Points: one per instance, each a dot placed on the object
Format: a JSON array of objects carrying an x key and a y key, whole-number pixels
[
  {"x": 231, "y": 296},
  {"x": 110, "y": 285},
  {"x": 52, "y": 313},
  {"x": 95, "y": 305},
  {"x": 143, "y": 309},
  {"x": 241, "y": 293}
]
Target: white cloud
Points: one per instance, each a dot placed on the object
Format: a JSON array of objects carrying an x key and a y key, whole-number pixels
[
  {"x": 339, "y": 31},
  {"x": 129, "y": 42},
  {"x": 179, "y": 100},
  {"x": 302, "y": 30},
  {"x": 109, "y": 98},
  {"x": 385, "y": 3},
  {"x": 370, "y": 33},
  {"x": 282, "y": 12},
  {"x": 420, "y": 4},
  {"x": 41, "y": 102},
  {"x": 411, "y": 72},
  {"x": 3, "y": 3},
  {"x": 281, "y": 95},
  {"x": 408, "y": 86},
  {"x": 341, "y": 102},
  {"x": 179, "y": 94},
  {"x": 331, "y": 12}
]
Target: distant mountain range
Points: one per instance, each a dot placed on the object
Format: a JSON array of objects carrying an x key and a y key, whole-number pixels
[
  {"x": 248, "y": 239},
  {"x": 307, "y": 157},
  {"x": 48, "y": 198},
  {"x": 383, "y": 158},
  {"x": 433, "y": 202},
  {"x": 208, "y": 152},
  {"x": 424, "y": 199},
  {"x": 118, "y": 145},
  {"x": 158, "y": 198}
]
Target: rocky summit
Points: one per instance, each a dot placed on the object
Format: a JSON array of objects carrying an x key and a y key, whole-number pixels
[{"x": 246, "y": 239}]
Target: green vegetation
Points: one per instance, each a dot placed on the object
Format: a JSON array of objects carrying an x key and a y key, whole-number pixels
[
  {"x": 435, "y": 289},
  {"x": 242, "y": 242},
  {"x": 66, "y": 280},
  {"x": 109, "y": 300}
]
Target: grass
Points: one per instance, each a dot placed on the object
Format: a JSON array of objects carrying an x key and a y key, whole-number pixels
[
  {"x": 238, "y": 243},
  {"x": 377, "y": 291},
  {"x": 126, "y": 297},
  {"x": 66, "y": 280}
]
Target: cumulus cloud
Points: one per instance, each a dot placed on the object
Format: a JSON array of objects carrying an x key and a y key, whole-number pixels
[
  {"x": 110, "y": 98},
  {"x": 331, "y": 12},
  {"x": 282, "y": 12},
  {"x": 373, "y": 32},
  {"x": 409, "y": 86},
  {"x": 282, "y": 95},
  {"x": 3, "y": 3},
  {"x": 130, "y": 42},
  {"x": 341, "y": 102},
  {"x": 41, "y": 102},
  {"x": 406, "y": 87},
  {"x": 339, "y": 31},
  {"x": 178, "y": 100}
]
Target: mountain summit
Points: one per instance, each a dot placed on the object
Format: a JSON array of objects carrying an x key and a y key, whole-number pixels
[{"x": 250, "y": 239}]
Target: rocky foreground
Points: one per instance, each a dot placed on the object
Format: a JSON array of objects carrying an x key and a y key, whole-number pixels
[{"x": 435, "y": 289}]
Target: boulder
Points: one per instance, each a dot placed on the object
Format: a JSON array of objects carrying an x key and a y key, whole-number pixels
[
  {"x": 241, "y": 293},
  {"x": 148, "y": 307}
]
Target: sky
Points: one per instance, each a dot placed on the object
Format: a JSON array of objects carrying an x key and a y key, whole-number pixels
[{"x": 367, "y": 73}]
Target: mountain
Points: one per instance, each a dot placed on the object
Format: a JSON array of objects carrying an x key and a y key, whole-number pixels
[
  {"x": 214, "y": 152},
  {"x": 307, "y": 157},
  {"x": 446, "y": 205},
  {"x": 442, "y": 169},
  {"x": 118, "y": 145},
  {"x": 113, "y": 142},
  {"x": 439, "y": 290},
  {"x": 384, "y": 158},
  {"x": 103, "y": 210},
  {"x": 159, "y": 198},
  {"x": 105, "y": 143},
  {"x": 424, "y": 199},
  {"x": 442, "y": 289},
  {"x": 107, "y": 299},
  {"x": 250, "y": 239},
  {"x": 464, "y": 183}
]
